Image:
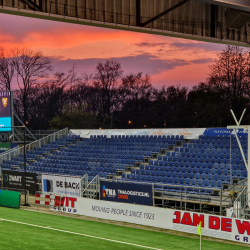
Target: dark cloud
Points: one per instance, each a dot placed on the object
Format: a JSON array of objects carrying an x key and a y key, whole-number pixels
[
  {"x": 132, "y": 64},
  {"x": 201, "y": 61},
  {"x": 149, "y": 44},
  {"x": 203, "y": 46}
]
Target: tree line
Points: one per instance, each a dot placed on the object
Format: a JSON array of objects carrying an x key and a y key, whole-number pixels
[{"x": 111, "y": 98}]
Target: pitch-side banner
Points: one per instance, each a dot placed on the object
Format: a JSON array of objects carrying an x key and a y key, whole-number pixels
[
  {"x": 63, "y": 185},
  {"x": 213, "y": 226},
  {"x": 224, "y": 132},
  {"x": 15, "y": 179},
  {"x": 135, "y": 193}
]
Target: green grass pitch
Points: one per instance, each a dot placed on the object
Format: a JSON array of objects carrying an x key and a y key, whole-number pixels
[{"x": 14, "y": 235}]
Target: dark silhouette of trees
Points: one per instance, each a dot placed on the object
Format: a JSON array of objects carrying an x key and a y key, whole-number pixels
[
  {"x": 206, "y": 107},
  {"x": 107, "y": 79},
  {"x": 230, "y": 76},
  {"x": 49, "y": 100},
  {"x": 136, "y": 94},
  {"x": 110, "y": 99},
  {"x": 6, "y": 70},
  {"x": 170, "y": 105},
  {"x": 30, "y": 67}
]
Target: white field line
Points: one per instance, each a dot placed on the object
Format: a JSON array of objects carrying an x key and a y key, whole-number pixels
[{"x": 86, "y": 235}]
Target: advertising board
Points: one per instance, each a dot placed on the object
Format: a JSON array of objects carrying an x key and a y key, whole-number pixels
[
  {"x": 226, "y": 228},
  {"x": 224, "y": 132},
  {"x": 135, "y": 193},
  {"x": 15, "y": 179},
  {"x": 188, "y": 133},
  {"x": 63, "y": 185},
  {"x": 5, "y": 111}
]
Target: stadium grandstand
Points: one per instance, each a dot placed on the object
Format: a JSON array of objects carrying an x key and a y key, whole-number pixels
[{"x": 197, "y": 170}]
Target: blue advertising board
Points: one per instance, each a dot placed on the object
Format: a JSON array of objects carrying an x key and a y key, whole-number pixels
[
  {"x": 135, "y": 193},
  {"x": 223, "y": 132},
  {"x": 5, "y": 124}
]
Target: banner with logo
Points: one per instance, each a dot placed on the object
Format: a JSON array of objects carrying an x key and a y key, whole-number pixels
[
  {"x": 63, "y": 185},
  {"x": 15, "y": 179},
  {"x": 135, "y": 193},
  {"x": 5, "y": 111},
  {"x": 226, "y": 228},
  {"x": 224, "y": 132}
]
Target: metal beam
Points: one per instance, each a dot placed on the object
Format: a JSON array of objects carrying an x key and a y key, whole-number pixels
[
  {"x": 138, "y": 12},
  {"x": 117, "y": 26},
  {"x": 234, "y": 4},
  {"x": 164, "y": 13},
  {"x": 246, "y": 161},
  {"x": 214, "y": 15},
  {"x": 32, "y": 5},
  {"x": 238, "y": 126}
]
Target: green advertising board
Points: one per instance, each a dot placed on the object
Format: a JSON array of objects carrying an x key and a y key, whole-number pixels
[{"x": 9, "y": 199}]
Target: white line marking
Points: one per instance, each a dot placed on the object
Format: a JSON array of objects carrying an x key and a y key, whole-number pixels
[{"x": 86, "y": 235}]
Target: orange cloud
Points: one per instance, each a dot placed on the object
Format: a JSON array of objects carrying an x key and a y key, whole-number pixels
[
  {"x": 188, "y": 75},
  {"x": 77, "y": 42}
]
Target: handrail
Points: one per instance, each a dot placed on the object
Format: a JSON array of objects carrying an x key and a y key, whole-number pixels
[
  {"x": 183, "y": 194},
  {"x": 240, "y": 194},
  {"x": 19, "y": 150},
  {"x": 239, "y": 199},
  {"x": 231, "y": 185},
  {"x": 229, "y": 197},
  {"x": 90, "y": 184},
  {"x": 163, "y": 184}
]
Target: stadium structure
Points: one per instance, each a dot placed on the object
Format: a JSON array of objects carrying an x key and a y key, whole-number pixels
[
  {"x": 190, "y": 169},
  {"x": 166, "y": 178},
  {"x": 219, "y": 21}
]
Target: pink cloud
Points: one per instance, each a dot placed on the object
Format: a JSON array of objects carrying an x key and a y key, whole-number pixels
[{"x": 169, "y": 60}]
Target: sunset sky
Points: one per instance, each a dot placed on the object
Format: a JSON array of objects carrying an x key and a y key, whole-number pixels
[{"x": 168, "y": 60}]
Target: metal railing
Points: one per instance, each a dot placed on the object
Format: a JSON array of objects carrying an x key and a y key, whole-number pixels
[
  {"x": 84, "y": 183},
  {"x": 240, "y": 202},
  {"x": 179, "y": 194},
  {"x": 92, "y": 188},
  {"x": 44, "y": 132},
  {"x": 20, "y": 150}
]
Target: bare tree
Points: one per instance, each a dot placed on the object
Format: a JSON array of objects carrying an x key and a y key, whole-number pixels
[
  {"x": 137, "y": 90},
  {"x": 31, "y": 67},
  {"x": 6, "y": 70},
  {"x": 230, "y": 75},
  {"x": 73, "y": 80},
  {"x": 107, "y": 79}
]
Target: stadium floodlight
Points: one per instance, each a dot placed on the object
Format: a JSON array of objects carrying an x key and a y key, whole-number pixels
[{"x": 246, "y": 129}]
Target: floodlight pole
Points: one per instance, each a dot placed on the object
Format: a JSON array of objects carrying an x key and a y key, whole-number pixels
[
  {"x": 247, "y": 162},
  {"x": 24, "y": 166}
]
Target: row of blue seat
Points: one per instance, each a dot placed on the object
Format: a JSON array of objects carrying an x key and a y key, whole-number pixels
[
  {"x": 89, "y": 166},
  {"x": 137, "y": 136},
  {"x": 193, "y": 184}
]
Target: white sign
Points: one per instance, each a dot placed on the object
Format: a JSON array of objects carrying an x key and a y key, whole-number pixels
[
  {"x": 63, "y": 185},
  {"x": 212, "y": 225},
  {"x": 188, "y": 133}
]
